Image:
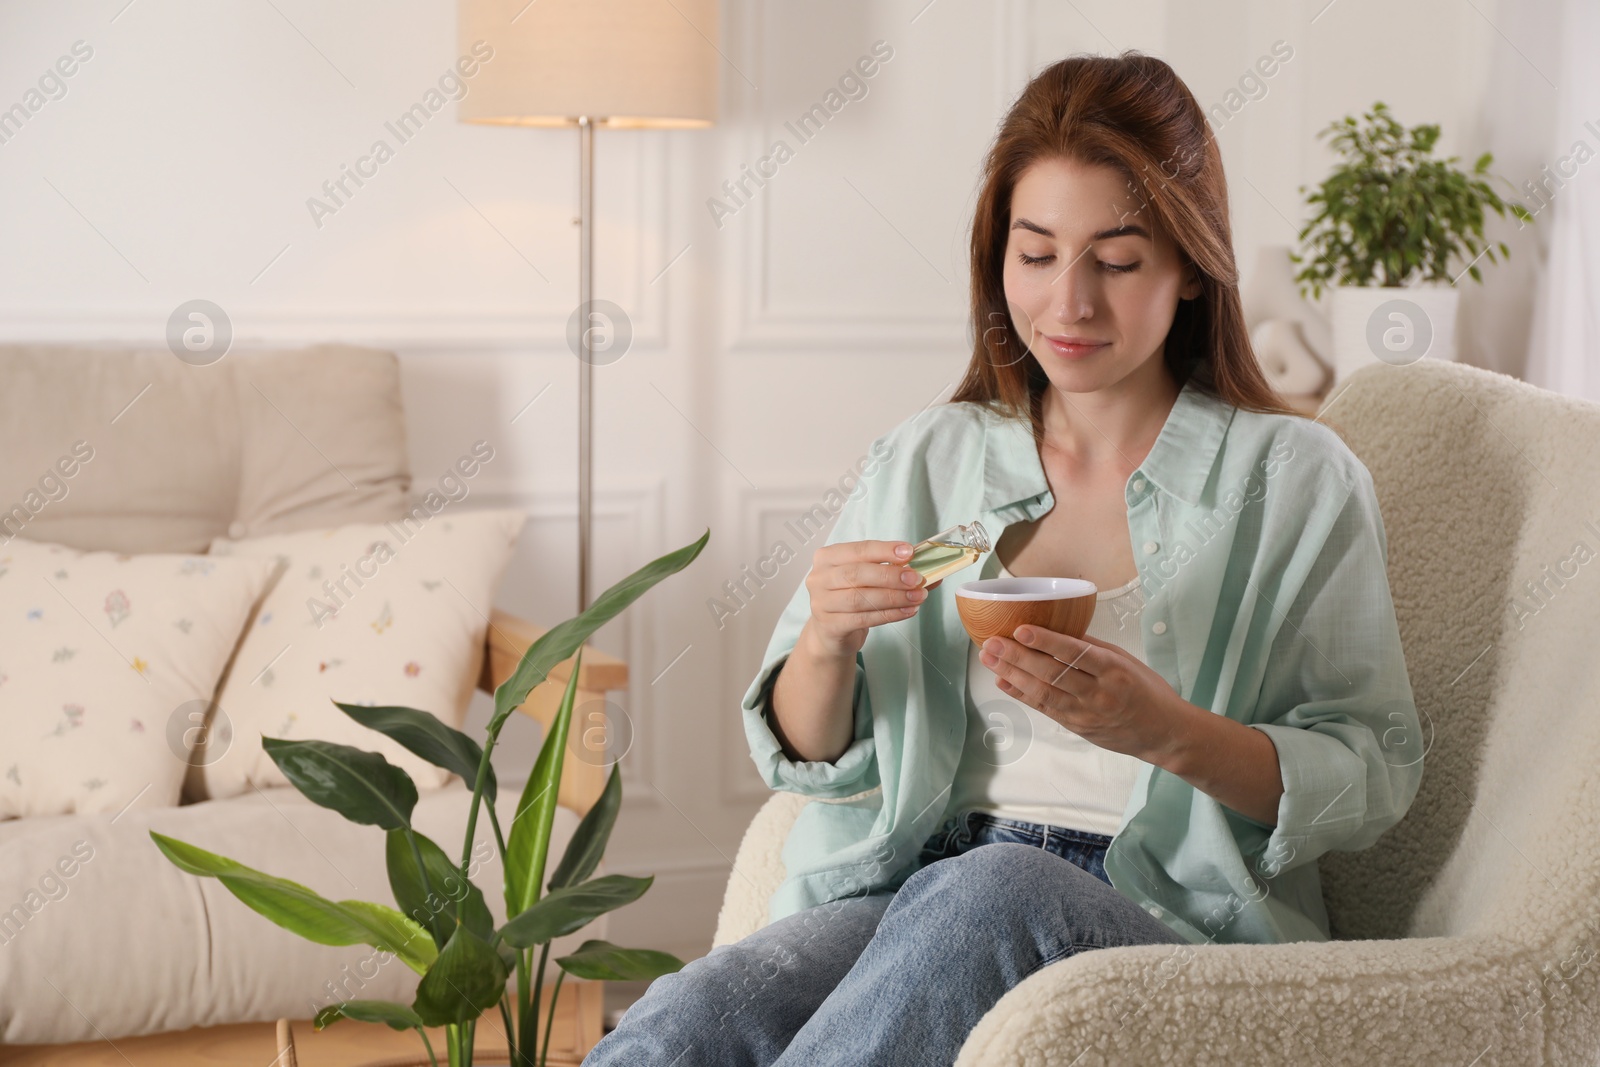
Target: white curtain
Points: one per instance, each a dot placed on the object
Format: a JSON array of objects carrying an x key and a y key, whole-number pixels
[{"x": 1564, "y": 347}]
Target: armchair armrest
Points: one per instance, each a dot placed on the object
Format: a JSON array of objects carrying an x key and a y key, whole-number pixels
[
  {"x": 1422, "y": 1000},
  {"x": 505, "y": 641}
]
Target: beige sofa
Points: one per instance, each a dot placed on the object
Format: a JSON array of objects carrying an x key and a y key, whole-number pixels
[
  {"x": 262, "y": 443},
  {"x": 1469, "y": 933}
]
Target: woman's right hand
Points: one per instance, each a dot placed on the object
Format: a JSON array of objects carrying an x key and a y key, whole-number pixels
[{"x": 856, "y": 585}]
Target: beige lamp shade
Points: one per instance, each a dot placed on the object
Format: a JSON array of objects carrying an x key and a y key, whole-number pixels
[{"x": 649, "y": 63}]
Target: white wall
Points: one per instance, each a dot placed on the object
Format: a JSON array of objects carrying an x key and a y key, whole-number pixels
[{"x": 769, "y": 351}]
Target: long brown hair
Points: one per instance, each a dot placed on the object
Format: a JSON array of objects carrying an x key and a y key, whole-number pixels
[{"x": 1134, "y": 113}]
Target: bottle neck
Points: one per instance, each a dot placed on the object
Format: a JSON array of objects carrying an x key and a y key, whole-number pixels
[{"x": 976, "y": 536}]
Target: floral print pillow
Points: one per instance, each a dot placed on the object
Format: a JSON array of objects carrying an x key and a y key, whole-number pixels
[
  {"x": 108, "y": 663},
  {"x": 372, "y": 613}
]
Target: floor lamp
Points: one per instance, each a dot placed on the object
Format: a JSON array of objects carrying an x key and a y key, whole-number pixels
[{"x": 636, "y": 64}]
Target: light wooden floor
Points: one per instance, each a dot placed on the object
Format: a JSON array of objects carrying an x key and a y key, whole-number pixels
[{"x": 345, "y": 1044}]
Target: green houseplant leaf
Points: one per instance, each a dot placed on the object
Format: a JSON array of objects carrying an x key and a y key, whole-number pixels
[
  {"x": 468, "y": 978},
  {"x": 601, "y": 961},
  {"x": 572, "y": 908},
  {"x": 563, "y": 640},
  {"x": 303, "y": 911},
  {"x": 1391, "y": 213},
  {"x": 422, "y": 734},
  {"x": 433, "y": 906},
  {"x": 362, "y": 786},
  {"x": 395, "y": 1016},
  {"x": 588, "y": 842},
  {"x": 529, "y": 841}
]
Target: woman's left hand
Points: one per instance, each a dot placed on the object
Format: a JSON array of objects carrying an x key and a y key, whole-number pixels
[{"x": 1105, "y": 696}]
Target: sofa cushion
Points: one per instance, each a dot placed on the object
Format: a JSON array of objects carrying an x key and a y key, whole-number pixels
[
  {"x": 102, "y": 937},
  {"x": 165, "y": 456},
  {"x": 390, "y": 614},
  {"x": 108, "y": 663}
]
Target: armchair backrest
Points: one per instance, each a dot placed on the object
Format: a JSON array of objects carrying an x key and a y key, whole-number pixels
[{"x": 1490, "y": 494}]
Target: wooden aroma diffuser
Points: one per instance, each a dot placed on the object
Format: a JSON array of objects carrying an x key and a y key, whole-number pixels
[{"x": 997, "y": 606}]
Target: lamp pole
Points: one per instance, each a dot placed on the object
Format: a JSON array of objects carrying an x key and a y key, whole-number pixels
[
  {"x": 637, "y": 64},
  {"x": 585, "y": 354}
]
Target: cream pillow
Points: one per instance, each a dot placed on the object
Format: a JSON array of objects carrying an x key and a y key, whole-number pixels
[
  {"x": 374, "y": 613},
  {"x": 108, "y": 663}
]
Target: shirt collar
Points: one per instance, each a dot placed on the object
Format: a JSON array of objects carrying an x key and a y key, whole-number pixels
[{"x": 1179, "y": 462}]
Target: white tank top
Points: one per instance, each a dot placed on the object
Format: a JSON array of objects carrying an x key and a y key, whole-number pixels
[{"x": 1018, "y": 763}]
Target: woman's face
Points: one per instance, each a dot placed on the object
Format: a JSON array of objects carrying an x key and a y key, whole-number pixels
[{"x": 1086, "y": 262}]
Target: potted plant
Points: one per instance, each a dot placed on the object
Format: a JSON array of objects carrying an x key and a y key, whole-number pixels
[
  {"x": 1393, "y": 216},
  {"x": 442, "y": 927}
]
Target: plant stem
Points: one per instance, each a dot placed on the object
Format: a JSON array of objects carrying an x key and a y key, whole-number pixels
[
  {"x": 472, "y": 820},
  {"x": 511, "y": 1031},
  {"x": 499, "y": 840},
  {"x": 550, "y": 1024},
  {"x": 522, "y": 1001},
  {"x": 528, "y": 1032},
  {"x": 429, "y": 1046},
  {"x": 531, "y": 1046}
]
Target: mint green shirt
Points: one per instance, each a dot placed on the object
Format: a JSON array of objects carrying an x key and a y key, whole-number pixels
[{"x": 1262, "y": 559}]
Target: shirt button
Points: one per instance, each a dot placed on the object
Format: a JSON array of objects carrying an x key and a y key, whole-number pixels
[
  {"x": 1159, "y": 628},
  {"x": 1155, "y": 911},
  {"x": 1138, "y": 485},
  {"x": 1150, "y": 548}
]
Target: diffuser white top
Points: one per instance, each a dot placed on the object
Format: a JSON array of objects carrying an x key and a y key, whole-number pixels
[{"x": 1015, "y": 588}]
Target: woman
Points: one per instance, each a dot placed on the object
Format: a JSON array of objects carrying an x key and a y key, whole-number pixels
[{"x": 1239, "y": 706}]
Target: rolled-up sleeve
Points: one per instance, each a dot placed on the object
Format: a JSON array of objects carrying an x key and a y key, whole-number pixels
[
  {"x": 854, "y": 772},
  {"x": 857, "y": 769},
  {"x": 1337, "y": 702}
]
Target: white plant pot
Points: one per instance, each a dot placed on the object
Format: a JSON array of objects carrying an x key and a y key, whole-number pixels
[{"x": 1395, "y": 325}]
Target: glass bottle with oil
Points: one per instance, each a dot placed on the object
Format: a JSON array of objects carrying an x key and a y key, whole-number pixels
[{"x": 949, "y": 551}]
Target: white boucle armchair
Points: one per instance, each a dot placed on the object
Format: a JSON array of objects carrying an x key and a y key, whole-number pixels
[{"x": 1468, "y": 933}]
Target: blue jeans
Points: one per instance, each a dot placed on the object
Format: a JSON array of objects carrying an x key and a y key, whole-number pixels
[{"x": 893, "y": 977}]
